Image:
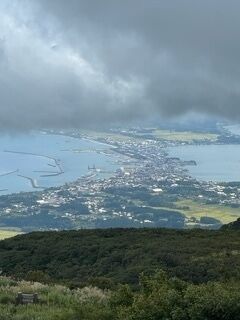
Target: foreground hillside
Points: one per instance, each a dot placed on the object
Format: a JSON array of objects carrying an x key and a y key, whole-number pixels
[
  {"x": 144, "y": 274},
  {"x": 158, "y": 298},
  {"x": 106, "y": 258},
  {"x": 55, "y": 301}
]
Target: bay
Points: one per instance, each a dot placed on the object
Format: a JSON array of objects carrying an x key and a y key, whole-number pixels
[
  {"x": 220, "y": 163},
  {"x": 48, "y": 160}
]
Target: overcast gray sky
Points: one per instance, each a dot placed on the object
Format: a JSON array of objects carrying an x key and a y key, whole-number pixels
[{"x": 77, "y": 63}]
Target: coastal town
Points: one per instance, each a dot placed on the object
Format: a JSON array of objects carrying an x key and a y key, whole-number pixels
[{"x": 148, "y": 189}]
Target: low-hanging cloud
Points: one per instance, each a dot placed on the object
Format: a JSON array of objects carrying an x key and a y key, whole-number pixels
[{"x": 83, "y": 63}]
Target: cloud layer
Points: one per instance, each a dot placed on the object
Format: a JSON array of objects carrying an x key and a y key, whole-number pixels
[{"x": 83, "y": 63}]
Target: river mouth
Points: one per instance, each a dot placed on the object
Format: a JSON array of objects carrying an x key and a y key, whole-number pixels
[{"x": 37, "y": 161}]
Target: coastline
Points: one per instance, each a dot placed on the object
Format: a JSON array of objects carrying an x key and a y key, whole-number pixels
[{"x": 56, "y": 163}]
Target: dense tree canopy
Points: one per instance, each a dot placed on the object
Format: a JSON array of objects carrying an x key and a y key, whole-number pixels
[{"x": 108, "y": 257}]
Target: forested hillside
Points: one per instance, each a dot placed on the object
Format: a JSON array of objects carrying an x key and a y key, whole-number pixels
[
  {"x": 106, "y": 258},
  {"x": 235, "y": 225}
]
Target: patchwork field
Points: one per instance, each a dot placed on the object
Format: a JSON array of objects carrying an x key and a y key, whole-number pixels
[
  {"x": 194, "y": 209},
  {"x": 183, "y": 135},
  {"x": 158, "y": 133},
  {"x": 198, "y": 210}
]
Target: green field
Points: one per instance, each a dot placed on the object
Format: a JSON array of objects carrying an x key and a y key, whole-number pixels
[
  {"x": 161, "y": 134},
  {"x": 183, "y": 135},
  {"x": 118, "y": 137},
  {"x": 196, "y": 209},
  {"x": 4, "y": 234}
]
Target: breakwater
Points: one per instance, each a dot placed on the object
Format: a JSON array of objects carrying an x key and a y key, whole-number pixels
[
  {"x": 40, "y": 157},
  {"x": 57, "y": 163},
  {"x": 8, "y": 173},
  {"x": 32, "y": 181}
]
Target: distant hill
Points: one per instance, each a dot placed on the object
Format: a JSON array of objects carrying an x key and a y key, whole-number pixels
[
  {"x": 111, "y": 256},
  {"x": 235, "y": 225}
]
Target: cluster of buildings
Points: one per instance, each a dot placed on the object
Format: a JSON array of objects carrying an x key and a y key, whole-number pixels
[{"x": 145, "y": 186}]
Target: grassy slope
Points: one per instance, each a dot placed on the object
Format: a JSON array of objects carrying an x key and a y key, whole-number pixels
[
  {"x": 158, "y": 297},
  {"x": 57, "y": 302}
]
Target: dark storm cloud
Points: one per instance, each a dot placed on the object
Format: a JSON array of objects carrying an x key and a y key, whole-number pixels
[{"x": 78, "y": 63}]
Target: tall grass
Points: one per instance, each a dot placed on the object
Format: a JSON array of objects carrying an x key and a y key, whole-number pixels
[{"x": 55, "y": 301}]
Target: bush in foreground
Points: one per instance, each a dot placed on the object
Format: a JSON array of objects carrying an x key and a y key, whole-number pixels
[{"x": 159, "y": 297}]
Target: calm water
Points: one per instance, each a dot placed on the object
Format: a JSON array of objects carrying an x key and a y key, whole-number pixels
[
  {"x": 214, "y": 162},
  {"x": 73, "y": 156},
  {"x": 235, "y": 129}
]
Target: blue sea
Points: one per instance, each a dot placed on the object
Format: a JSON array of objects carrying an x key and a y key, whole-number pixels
[
  {"x": 219, "y": 163},
  {"x": 41, "y": 157}
]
